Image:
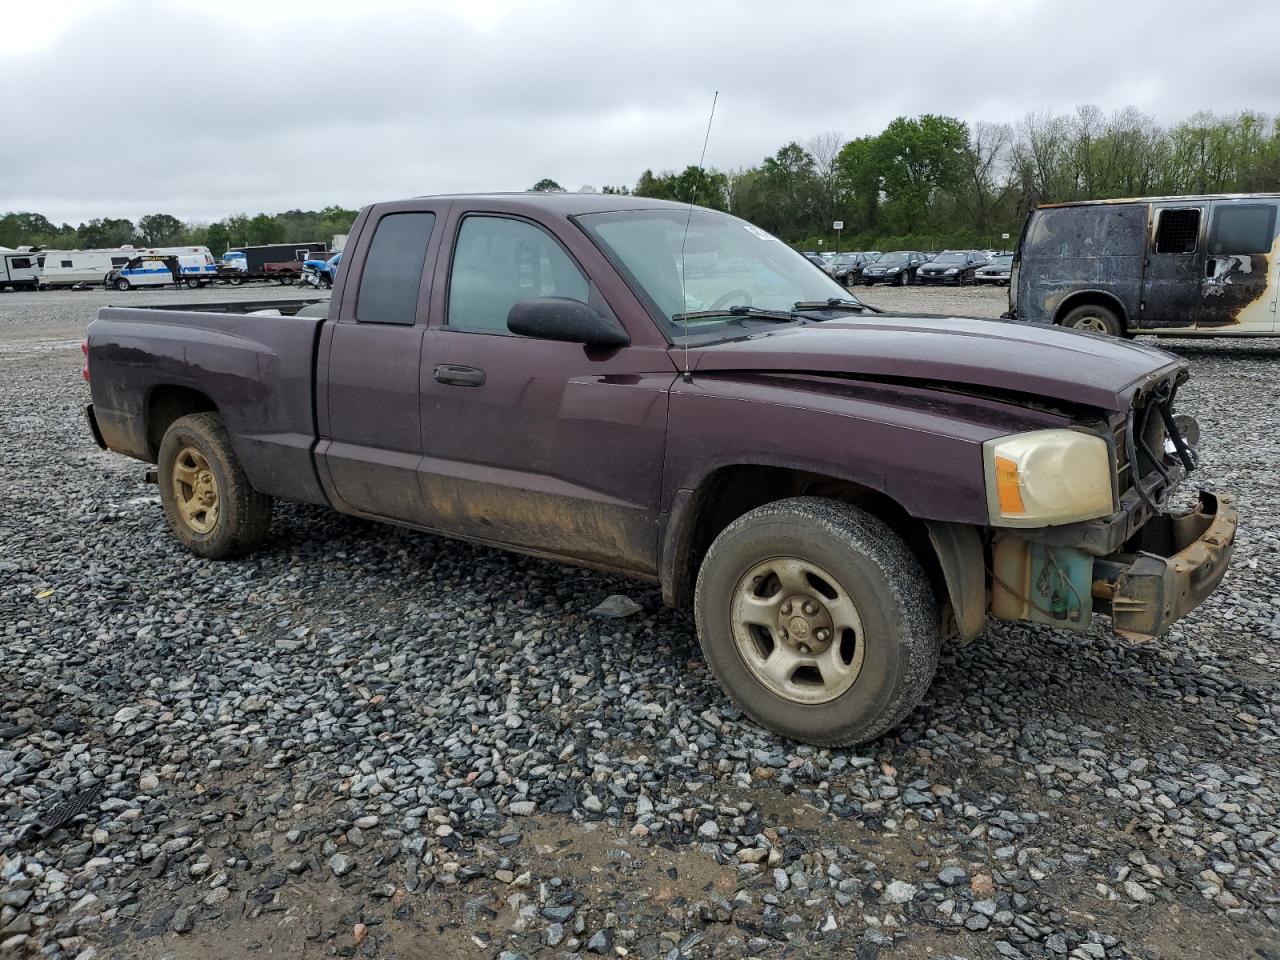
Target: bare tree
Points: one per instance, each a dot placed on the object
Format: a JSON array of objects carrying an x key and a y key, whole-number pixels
[
  {"x": 988, "y": 171},
  {"x": 825, "y": 149}
]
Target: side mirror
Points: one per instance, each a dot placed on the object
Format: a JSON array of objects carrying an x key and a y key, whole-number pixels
[{"x": 560, "y": 318}]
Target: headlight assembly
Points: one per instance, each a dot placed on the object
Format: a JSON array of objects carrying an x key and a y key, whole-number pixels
[{"x": 1047, "y": 477}]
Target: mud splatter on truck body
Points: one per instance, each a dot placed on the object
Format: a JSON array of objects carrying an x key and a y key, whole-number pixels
[{"x": 1169, "y": 266}]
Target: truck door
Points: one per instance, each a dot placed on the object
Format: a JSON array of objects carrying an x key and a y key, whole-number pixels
[
  {"x": 1242, "y": 269},
  {"x": 538, "y": 444},
  {"x": 370, "y": 447},
  {"x": 1174, "y": 265}
]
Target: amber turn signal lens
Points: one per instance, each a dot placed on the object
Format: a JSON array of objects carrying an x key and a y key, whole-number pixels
[{"x": 1008, "y": 490}]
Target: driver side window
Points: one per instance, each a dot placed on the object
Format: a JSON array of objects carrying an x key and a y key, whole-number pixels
[{"x": 497, "y": 263}]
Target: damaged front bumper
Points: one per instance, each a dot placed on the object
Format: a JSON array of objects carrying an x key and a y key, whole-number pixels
[
  {"x": 1163, "y": 572},
  {"x": 1180, "y": 559}
]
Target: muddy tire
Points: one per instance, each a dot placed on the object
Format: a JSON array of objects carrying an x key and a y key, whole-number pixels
[
  {"x": 211, "y": 507},
  {"x": 1095, "y": 319},
  {"x": 818, "y": 621}
]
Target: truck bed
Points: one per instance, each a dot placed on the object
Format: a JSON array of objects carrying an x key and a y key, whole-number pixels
[{"x": 149, "y": 365}]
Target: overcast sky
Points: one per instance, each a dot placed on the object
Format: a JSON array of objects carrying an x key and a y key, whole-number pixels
[{"x": 204, "y": 109}]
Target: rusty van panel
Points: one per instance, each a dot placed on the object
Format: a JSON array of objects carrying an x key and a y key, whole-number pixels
[{"x": 1068, "y": 251}]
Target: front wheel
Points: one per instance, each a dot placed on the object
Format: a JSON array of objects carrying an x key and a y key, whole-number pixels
[
  {"x": 1094, "y": 319},
  {"x": 211, "y": 507},
  {"x": 818, "y": 621},
  {"x": 122, "y": 284}
]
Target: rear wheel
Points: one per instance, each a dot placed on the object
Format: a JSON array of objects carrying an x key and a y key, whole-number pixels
[
  {"x": 211, "y": 507},
  {"x": 236, "y": 281},
  {"x": 1095, "y": 319},
  {"x": 818, "y": 621}
]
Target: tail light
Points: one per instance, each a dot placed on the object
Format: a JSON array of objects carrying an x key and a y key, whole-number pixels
[{"x": 84, "y": 370}]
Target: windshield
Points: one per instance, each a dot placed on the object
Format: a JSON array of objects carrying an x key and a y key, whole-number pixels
[
  {"x": 889, "y": 259},
  {"x": 727, "y": 262},
  {"x": 1004, "y": 260},
  {"x": 949, "y": 258}
]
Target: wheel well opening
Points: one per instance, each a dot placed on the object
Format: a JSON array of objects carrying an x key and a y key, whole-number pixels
[
  {"x": 1091, "y": 298},
  {"x": 167, "y": 404},
  {"x": 732, "y": 491}
]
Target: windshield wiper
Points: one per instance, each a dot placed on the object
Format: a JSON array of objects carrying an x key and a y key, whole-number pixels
[
  {"x": 740, "y": 310},
  {"x": 835, "y": 303}
]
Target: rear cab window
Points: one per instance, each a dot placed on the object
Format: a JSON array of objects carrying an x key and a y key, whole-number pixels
[{"x": 393, "y": 269}]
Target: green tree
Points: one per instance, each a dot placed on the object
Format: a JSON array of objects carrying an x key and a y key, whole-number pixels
[
  {"x": 217, "y": 238},
  {"x": 21, "y": 229},
  {"x": 161, "y": 230},
  {"x": 106, "y": 232},
  {"x": 546, "y": 185},
  {"x": 917, "y": 158},
  {"x": 264, "y": 229}
]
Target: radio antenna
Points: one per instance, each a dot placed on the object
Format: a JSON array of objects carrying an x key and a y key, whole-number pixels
[{"x": 693, "y": 193}]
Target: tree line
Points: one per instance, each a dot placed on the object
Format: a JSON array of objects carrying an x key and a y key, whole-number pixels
[
  {"x": 924, "y": 182},
  {"x": 930, "y": 182},
  {"x": 166, "y": 230}
]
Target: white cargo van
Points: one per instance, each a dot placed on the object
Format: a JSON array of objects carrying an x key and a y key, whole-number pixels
[{"x": 195, "y": 264}]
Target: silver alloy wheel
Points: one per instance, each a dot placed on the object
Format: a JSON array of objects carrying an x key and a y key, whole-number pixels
[
  {"x": 797, "y": 630},
  {"x": 1092, "y": 324}
]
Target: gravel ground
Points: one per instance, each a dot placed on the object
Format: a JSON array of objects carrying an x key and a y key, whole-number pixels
[{"x": 366, "y": 742}]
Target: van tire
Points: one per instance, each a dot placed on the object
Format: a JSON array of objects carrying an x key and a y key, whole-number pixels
[
  {"x": 123, "y": 284},
  {"x": 1094, "y": 318},
  {"x": 243, "y": 517},
  {"x": 895, "y": 645}
]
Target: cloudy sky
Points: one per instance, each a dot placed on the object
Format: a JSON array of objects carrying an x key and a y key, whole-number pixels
[{"x": 203, "y": 109}]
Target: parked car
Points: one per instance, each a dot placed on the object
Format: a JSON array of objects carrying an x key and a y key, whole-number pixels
[
  {"x": 1167, "y": 266},
  {"x": 817, "y": 261},
  {"x": 952, "y": 266},
  {"x": 898, "y": 268},
  {"x": 997, "y": 271},
  {"x": 831, "y": 488},
  {"x": 320, "y": 273},
  {"x": 846, "y": 268}
]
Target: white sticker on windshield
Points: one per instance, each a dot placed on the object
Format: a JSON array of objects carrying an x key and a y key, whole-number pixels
[{"x": 756, "y": 231}]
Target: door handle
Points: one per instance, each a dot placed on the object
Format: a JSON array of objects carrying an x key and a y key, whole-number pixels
[{"x": 459, "y": 376}]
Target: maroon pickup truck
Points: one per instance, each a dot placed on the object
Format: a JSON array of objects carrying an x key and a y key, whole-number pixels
[{"x": 675, "y": 395}]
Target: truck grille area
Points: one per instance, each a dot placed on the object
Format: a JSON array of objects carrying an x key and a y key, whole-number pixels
[{"x": 1142, "y": 442}]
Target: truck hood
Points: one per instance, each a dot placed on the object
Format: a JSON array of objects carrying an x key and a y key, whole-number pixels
[{"x": 1001, "y": 356}]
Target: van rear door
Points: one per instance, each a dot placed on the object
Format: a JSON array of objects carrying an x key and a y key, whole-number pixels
[
  {"x": 1174, "y": 266},
  {"x": 1241, "y": 276}
]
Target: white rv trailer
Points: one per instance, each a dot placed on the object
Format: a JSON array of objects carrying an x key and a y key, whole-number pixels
[
  {"x": 70, "y": 268},
  {"x": 19, "y": 270},
  {"x": 73, "y": 268}
]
